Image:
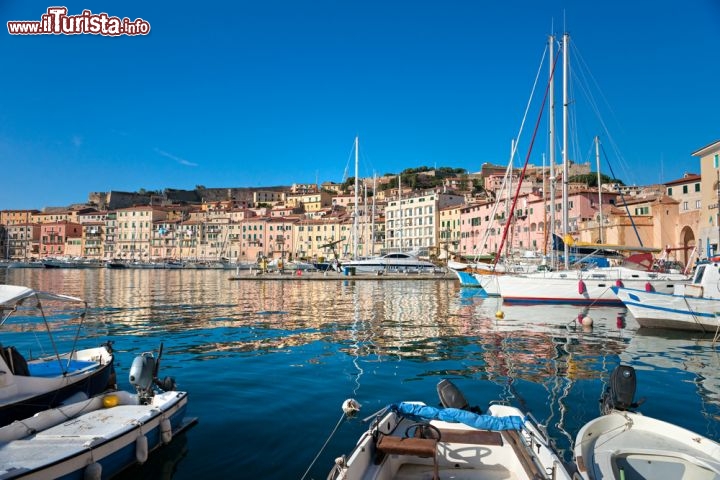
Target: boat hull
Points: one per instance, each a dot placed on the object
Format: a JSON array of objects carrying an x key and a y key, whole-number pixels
[
  {"x": 592, "y": 287},
  {"x": 40, "y": 391},
  {"x": 113, "y": 439},
  {"x": 670, "y": 311},
  {"x": 461, "y": 452},
  {"x": 467, "y": 279},
  {"x": 631, "y": 445}
]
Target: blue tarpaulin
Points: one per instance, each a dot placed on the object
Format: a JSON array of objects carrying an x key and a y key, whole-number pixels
[{"x": 481, "y": 422}]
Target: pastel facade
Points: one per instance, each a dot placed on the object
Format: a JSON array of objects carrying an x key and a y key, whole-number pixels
[
  {"x": 411, "y": 222},
  {"x": 13, "y": 217},
  {"x": 22, "y": 241},
  {"x": 708, "y": 237},
  {"x": 134, "y": 230},
  {"x": 680, "y": 215},
  {"x": 54, "y": 239},
  {"x": 449, "y": 237}
]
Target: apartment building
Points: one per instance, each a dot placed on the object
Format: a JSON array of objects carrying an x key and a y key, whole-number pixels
[
  {"x": 55, "y": 238},
  {"x": 449, "y": 236},
  {"x": 411, "y": 222},
  {"x": 134, "y": 230},
  {"x": 708, "y": 235},
  {"x": 21, "y": 241}
]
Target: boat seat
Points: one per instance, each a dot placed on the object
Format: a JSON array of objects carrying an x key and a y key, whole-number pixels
[
  {"x": 52, "y": 368},
  {"x": 473, "y": 437},
  {"x": 419, "y": 447},
  {"x": 15, "y": 361}
]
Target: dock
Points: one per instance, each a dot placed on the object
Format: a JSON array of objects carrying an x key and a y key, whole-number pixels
[{"x": 336, "y": 276}]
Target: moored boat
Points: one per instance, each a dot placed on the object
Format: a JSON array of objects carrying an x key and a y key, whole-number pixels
[
  {"x": 694, "y": 306},
  {"x": 98, "y": 437},
  {"x": 622, "y": 444},
  {"x": 583, "y": 287},
  {"x": 71, "y": 263},
  {"x": 411, "y": 440},
  {"x": 391, "y": 263},
  {"x": 28, "y": 386}
]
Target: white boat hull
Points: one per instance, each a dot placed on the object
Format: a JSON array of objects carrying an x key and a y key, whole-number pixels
[
  {"x": 110, "y": 439},
  {"x": 632, "y": 446},
  {"x": 579, "y": 287},
  {"x": 466, "y": 453},
  {"x": 677, "y": 312}
]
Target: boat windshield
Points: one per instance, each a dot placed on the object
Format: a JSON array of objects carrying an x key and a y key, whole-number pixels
[{"x": 699, "y": 274}]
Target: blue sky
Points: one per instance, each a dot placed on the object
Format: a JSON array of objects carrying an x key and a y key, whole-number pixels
[{"x": 233, "y": 94}]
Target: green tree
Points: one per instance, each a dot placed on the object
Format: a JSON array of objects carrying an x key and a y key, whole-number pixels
[{"x": 591, "y": 179}]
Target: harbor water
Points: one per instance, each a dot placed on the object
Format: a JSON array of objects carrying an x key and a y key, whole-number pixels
[{"x": 268, "y": 364}]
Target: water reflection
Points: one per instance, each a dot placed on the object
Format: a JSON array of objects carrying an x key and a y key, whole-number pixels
[
  {"x": 692, "y": 358},
  {"x": 251, "y": 349}
]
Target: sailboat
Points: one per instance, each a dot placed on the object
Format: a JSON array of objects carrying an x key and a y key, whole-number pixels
[{"x": 580, "y": 287}]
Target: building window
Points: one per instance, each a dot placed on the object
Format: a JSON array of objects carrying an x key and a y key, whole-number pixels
[
  {"x": 685, "y": 189},
  {"x": 697, "y": 203},
  {"x": 697, "y": 187},
  {"x": 685, "y": 206},
  {"x": 716, "y": 161},
  {"x": 670, "y": 192}
]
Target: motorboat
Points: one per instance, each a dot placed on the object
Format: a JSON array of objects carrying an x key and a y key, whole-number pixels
[
  {"x": 625, "y": 445},
  {"x": 693, "y": 306},
  {"x": 391, "y": 263},
  {"x": 411, "y": 440},
  {"x": 68, "y": 262},
  {"x": 29, "y": 385},
  {"x": 101, "y": 436}
]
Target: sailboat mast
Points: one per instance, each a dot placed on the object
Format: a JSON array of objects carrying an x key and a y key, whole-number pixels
[
  {"x": 372, "y": 224},
  {"x": 364, "y": 235},
  {"x": 510, "y": 179},
  {"x": 565, "y": 213},
  {"x": 355, "y": 216},
  {"x": 551, "y": 135},
  {"x": 597, "y": 160},
  {"x": 402, "y": 226}
]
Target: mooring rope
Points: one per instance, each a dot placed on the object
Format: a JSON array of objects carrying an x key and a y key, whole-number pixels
[{"x": 342, "y": 417}]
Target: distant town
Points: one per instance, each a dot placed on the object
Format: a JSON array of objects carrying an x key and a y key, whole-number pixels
[{"x": 437, "y": 213}]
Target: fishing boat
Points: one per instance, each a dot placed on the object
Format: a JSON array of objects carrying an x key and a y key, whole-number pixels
[
  {"x": 98, "y": 437},
  {"x": 622, "y": 444},
  {"x": 28, "y": 386},
  {"x": 693, "y": 306},
  {"x": 411, "y": 440}
]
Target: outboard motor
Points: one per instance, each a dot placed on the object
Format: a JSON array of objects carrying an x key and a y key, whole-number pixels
[
  {"x": 141, "y": 375},
  {"x": 620, "y": 392},
  {"x": 451, "y": 397},
  {"x": 144, "y": 375}
]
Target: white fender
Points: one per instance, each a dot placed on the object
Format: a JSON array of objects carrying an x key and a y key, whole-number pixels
[
  {"x": 166, "y": 430},
  {"x": 93, "y": 472},
  {"x": 141, "y": 449}
]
